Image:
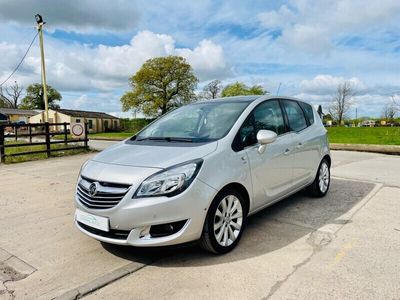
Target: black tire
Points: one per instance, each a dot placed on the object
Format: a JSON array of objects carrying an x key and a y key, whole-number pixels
[
  {"x": 208, "y": 240},
  {"x": 315, "y": 189}
]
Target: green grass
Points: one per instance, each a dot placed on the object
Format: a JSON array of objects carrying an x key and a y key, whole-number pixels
[
  {"x": 61, "y": 137},
  {"x": 365, "y": 135},
  {"x": 111, "y": 135},
  {"x": 37, "y": 156}
]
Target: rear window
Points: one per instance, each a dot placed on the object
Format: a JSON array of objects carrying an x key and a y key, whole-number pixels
[{"x": 308, "y": 111}]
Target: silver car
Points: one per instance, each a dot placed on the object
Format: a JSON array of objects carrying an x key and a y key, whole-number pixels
[{"x": 199, "y": 171}]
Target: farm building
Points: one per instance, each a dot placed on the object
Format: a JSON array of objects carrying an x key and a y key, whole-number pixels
[
  {"x": 97, "y": 121},
  {"x": 18, "y": 115}
]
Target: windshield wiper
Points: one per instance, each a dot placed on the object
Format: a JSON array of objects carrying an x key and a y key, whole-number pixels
[{"x": 167, "y": 139}]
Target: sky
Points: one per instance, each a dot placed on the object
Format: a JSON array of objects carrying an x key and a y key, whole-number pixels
[{"x": 309, "y": 47}]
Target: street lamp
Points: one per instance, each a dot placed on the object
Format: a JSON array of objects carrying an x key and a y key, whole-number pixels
[
  {"x": 40, "y": 23},
  {"x": 39, "y": 19}
]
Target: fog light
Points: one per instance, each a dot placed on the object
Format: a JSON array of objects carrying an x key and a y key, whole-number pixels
[
  {"x": 145, "y": 232},
  {"x": 166, "y": 229}
]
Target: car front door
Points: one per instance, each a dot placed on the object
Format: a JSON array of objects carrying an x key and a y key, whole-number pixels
[{"x": 271, "y": 170}]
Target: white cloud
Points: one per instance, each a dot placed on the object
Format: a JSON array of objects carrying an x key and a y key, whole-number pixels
[
  {"x": 81, "y": 101},
  {"x": 207, "y": 59},
  {"x": 314, "y": 25},
  {"x": 313, "y": 39},
  {"x": 75, "y": 67},
  {"x": 277, "y": 18},
  {"x": 327, "y": 84}
]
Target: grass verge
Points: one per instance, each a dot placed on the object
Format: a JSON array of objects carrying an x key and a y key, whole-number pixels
[
  {"x": 365, "y": 135},
  {"x": 37, "y": 156},
  {"x": 110, "y": 135}
]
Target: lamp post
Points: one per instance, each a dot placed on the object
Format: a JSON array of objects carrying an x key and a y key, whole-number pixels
[{"x": 40, "y": 22}]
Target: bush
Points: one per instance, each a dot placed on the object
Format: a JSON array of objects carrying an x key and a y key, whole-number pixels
[{"x": 134, "y": 125}]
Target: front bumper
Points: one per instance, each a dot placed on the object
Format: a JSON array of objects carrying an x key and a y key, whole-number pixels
[{"x": 136, "y": 216}]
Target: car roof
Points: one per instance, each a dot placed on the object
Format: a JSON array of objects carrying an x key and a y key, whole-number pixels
[
  {"x": 231, "y": 99},
  {"x": 248, "y": 99}
]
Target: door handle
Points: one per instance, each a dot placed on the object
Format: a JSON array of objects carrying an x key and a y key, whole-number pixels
[
  {"x": 299, "y": 145},
  {"x": 287, "y": 151}
]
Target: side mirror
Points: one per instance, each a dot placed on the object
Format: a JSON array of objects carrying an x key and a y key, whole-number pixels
[{"x": 265, "y": 137}]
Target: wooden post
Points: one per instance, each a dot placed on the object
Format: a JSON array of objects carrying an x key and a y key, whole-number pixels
[
  {"x": 30, "y": 133},
  {"x": 86, "y": 135},
  {"x": 65, "y": 133},
  {"x": 47, "y": 129},
  {"x": 16, "y": 132},
  {"x": 2, "y": 156}
]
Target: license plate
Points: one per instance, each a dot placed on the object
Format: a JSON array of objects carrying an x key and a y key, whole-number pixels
[{"x": 94, "y": 221}]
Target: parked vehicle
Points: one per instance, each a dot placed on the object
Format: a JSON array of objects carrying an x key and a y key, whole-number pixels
[
  {"x": 199, "y": 171},
  {"x": 367, "y": 123}
]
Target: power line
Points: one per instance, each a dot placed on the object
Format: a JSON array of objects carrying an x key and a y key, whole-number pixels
[{"x": 22, "y": 60}]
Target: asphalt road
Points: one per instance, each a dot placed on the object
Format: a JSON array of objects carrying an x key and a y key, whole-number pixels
[{"x": 344, "y": 246}]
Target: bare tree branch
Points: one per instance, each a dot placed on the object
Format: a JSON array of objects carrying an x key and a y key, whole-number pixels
[
  {"x": 396, "y": 103},
  {"x": 341, "y": 102},
  {"x": 14, "y": 93},
  {"x": 389, "y": 110},
  {"x": 212, "y": 89}
]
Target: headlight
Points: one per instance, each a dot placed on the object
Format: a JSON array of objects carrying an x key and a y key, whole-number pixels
[
  {"x": 171, "y": 181},
  {"x": 82, "y": 167}
]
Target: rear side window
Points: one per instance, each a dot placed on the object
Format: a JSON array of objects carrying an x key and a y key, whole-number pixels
[
  {"x": 308, "y": 110},
  {"x": 297, "y": 121}
]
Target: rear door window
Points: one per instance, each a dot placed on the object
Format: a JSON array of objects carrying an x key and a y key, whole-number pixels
[
  {"x": 296, "y": 119},
  {"x": 308, "y": 110}
]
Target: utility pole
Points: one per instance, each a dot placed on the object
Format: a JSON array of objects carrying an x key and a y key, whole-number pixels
[
  {"x": 356, "y": 118},
  {"x": 40, "y": 22}
]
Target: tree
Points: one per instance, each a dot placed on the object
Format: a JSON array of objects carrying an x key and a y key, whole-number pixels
[
  {"x": 341, "y": 102},
  {"x": 212, "y": 89},
  {"x": 396, "y": 104},
  {"x": 240, "y": 89},
  {"x": 13, "y": 94},
  {"x": 389, "y": 111},
  {"x": 34, "y": 97},
  {"x": 161, "y": 84},
  {"x": 3, "y": 102}
]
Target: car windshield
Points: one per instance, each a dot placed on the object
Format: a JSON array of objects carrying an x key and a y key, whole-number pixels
[{"x": 200, "y": 122}]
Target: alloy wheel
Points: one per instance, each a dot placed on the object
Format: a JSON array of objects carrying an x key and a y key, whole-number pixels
[
  {"x": 228, "y": 220},
  {"x": 324, "y": 177}
]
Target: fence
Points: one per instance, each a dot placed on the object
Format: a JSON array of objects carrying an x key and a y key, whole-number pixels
[{"x": 29, "y": 131}]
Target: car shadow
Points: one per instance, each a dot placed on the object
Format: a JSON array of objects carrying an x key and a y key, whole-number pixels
[{"x": 270, "y": 229}]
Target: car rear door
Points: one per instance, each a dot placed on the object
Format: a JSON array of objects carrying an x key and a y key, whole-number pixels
[
  {"x": 305, "y": 142},
  {"x": 271, "y": 170}
]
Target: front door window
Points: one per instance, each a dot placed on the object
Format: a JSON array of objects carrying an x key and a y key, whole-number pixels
[{"x": 267, "y": 116}]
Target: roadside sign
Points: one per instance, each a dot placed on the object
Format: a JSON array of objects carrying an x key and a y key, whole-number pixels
[{"x": 77, "y": 129}]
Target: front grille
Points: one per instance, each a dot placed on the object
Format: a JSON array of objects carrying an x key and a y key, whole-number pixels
[
  {"x": 107, "y": 194},
  {"x": 112, "y": 234}
]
